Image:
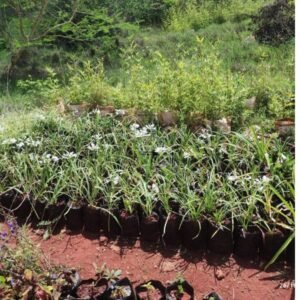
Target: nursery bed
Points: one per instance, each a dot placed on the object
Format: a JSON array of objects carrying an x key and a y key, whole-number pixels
[{"x": 243, "y": 279}]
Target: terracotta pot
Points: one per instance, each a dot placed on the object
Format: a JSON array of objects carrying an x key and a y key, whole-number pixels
[
  {"x": 79, "y": 109},
  {"x": 220, "y": 240},
  {"x": 285, "y": 127},
  {"x": 74, "y": 216},
  {"x": 91, "y": 219},
  {"x": 170, "y": 230},
  {"x": 106, "y": 111},
  {"x": 196, "y": 122},
  {"x": 167, "y": 119},
  {"x": 150, "y": 228},
  {"x": 247, "y": 243},
  {"x": 194, "y": 234},
  {"x": 129, "y": 223}
]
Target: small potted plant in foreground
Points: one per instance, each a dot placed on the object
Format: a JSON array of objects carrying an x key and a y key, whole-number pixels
[
  {"x": 150, "y": 290},
  {"x": 179, "y": 289}
]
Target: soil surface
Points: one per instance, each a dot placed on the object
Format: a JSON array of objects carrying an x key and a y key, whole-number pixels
[{"x": 230, "y": 277}]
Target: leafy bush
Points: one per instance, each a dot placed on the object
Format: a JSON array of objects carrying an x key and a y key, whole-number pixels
[
  {"x": 276, "y": 22},
  {"x": 195, "y": 15},
  {"x": 144, "y": 11}
]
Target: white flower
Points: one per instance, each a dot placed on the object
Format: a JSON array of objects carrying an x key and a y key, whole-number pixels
[
  {"x": 266, "y": 179},
  {"x": 232, "y": 177},
  {"x": 69, "y": 155},
  {"x": 96, "y": 112},
  {"x": 9, "y": 141},
  {"x": 141, "y": 133},
  {"x": 150, "y": 127},
  {"x": 282, "y": 158},
  {"x": 20, "y": 145},
  {"x": 161, "y": 150},
  {"x": 120, "y": 112},
  {"x": 97, "y": 137},
  {"x": 116, "y": 180},
  {"x": 93, "y": 147},
  {"x": 186, "y": 155},
  {"x": 55, "y": 158},
  {"x": 205, "y": 134},
  {"x": 134, "y": 126},
  {"x": 39, "y": 117},
  {"x": 154, "y": 188}
]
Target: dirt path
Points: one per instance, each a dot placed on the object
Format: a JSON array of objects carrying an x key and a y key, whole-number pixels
[{"x": 242, "y": 280}]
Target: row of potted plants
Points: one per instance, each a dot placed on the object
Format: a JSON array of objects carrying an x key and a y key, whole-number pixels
[
  {"x": 126, "y": 171},
  {"x": 172, "y": 229}
]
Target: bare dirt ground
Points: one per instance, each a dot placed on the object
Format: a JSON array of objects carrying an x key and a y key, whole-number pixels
[{"x": 232, "y": 278}]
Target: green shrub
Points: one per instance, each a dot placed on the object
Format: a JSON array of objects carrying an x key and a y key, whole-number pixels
[{"x": 275, "y": 23}]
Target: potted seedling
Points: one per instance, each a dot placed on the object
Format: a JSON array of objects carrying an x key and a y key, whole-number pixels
[
  {"x": 193, "y": 227},
  {"x": 118, "y": 289},
  {"x": 150, "y": 290},
  {"x": 109, "y": 211},
  {"x": 179, "y": 289},
  {"x": 220, "y": 233},
  {"x": 149, "y": 219},
  {"x": 247, "y": 233},
  {"x": 129, "y": 219},
  {"x": 169, "y": 219}
]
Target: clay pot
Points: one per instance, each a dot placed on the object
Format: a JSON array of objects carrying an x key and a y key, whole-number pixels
[
  {"x": 174, "y": 291},
  {"x": 158, "y": 293},
  {"x": 170, "y": 230},
  {"x": 91, "y": 219},
  {"x": 196, "y": 122},
  {"x": 106, "y": 111},
  {"x": 167, "y": 119},
  {"x": 129, "y": 223},
  {"x": 74, "y": 216},
  {"x": 79, "y": 109},
  {"x": 285, "y": 127},
  {"x": 109, "y": 224},
  {"x": 247, "y": 243},
  {"x": 220, "y": 240},
  {"x": 194, "y": 234},
  {"x": 150, "y": 228},
  {"x": 272, "y": 241}
]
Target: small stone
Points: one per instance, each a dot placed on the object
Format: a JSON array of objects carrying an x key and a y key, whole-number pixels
[
  {"x": 116, "y": 249},
  {"x": 219, "y": 274},
  {"x": 168, "y": 266},
  {"x": 103, "y": 240}
]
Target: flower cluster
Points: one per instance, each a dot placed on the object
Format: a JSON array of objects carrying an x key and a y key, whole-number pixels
[{"x": 142, "y": 132}]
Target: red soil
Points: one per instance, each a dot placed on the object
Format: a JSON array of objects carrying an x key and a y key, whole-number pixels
[{"x": 242, "y": 279}]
